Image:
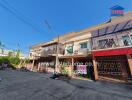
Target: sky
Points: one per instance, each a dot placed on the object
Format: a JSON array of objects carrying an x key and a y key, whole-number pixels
[{"x": 23, "y": 22}]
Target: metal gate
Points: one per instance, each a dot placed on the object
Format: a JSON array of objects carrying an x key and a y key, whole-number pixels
[{"x": 115, "y": 67}]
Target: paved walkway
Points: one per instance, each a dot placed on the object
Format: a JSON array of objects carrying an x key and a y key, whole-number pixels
[{"x": 16, "y": 85}]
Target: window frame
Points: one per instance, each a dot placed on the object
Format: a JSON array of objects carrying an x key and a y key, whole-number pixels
[
  {"x": 83, "y": 45},
  {"x": 129, "y": 37}
]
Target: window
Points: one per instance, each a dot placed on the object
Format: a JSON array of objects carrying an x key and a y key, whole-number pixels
[
  {"x": 107, "y": 43},
  {"x": 126, "y": 40},
  {"x": 83, "y": 45},
  {"x": 102, "y": 43},
  {"x": 69, "y": 49},
  {"x": 131, "y": 37}
]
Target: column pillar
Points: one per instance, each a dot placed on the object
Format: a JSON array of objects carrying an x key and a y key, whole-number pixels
[
  {"x": 57, "y": 63},
  {"x": 95, "y": 68},
  {"x": 32, "y": 65},
  {"x": 38, "y": 67},
  {"x": 129, "y": 59},
  {"x": 71, "y": 71}
]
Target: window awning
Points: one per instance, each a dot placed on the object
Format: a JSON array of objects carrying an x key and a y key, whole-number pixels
[{"x": 112, "y": 52}]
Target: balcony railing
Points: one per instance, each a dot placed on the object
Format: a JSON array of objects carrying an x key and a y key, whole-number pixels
[
  {"x": 82, "y": 51},
  {"x": 52, "y": 50},
  {"x": 113, "y": 43}
]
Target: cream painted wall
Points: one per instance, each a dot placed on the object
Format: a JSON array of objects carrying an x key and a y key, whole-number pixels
[
  {"x": 75, "y": 41},
  {"x": 79, "y": 37}
]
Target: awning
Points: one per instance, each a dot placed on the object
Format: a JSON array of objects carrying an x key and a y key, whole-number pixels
[
  {"x": 112, "y": 52},
  {"x": 74, "y": 56}
]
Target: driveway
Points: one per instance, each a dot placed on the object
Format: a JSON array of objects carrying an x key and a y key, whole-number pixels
[{"x": 17, "y": 85}]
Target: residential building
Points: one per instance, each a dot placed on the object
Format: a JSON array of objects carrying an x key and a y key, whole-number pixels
[
  {"x": 77, "y": 53},
  {"x": 103, "y": 51},
  {"x": 74, "y": 47},
  {"x": 4, "y": 52},
  {"x": 112, "y": 48},
  {"x": 45, "y": 55}
]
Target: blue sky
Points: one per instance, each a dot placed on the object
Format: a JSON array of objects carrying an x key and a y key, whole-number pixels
[{"x": 62, "y": 15}]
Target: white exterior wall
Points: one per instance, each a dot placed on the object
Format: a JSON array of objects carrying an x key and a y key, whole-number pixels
[{"x": 75, "y": 41}]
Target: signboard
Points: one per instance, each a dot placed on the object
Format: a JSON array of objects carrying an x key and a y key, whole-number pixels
[
  {"x": 117, "y": 11},
  {"x": 82, "y": 69}
]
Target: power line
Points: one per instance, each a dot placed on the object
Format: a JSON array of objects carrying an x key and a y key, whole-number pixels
[
  {"x": 15, "y": 46},
  {"x": 17, "y": 14},
  {"x": 48, "y": 25}
]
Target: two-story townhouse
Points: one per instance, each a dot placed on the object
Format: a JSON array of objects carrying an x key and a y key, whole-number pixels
[
  {"x": 45, "y": 55},
  {"x": 112, "y": 48},
  {"x": 34, "y": 55},
  {"x": 49, "y": 55},
  {"x": 73, "y": 49},
  {"x": 77, "y": 57}
]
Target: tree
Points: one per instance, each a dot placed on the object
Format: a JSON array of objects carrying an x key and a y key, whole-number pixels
[{"x": 18, "y": 54}]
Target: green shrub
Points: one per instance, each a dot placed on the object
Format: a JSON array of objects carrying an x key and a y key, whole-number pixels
[
  {"x": 11, "y": 61},
  {"x": 64, "y": 71}
]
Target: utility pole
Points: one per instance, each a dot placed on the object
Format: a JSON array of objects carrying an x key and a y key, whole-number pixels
[
  {"x": 57, "y": 47},
  {"x": 33, "y": 60},
  {"x": 57, "y": 54}
]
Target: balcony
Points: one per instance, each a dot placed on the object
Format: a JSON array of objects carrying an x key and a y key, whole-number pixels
[
  {"x": 51, "y": 50},
  {"x": 82, "y": 51},
  {"x": 114, "y": 36},
  {"x": 79, "y": 51},
  {"x": 113, "y": 41}
]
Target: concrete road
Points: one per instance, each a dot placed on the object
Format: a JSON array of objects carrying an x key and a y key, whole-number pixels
[{"x": 16, "y": 85}]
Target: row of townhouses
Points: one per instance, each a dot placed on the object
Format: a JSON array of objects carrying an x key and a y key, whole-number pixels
[
  {"x": 103, "y": 51},
  {"x": 5, "y": 53}
]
